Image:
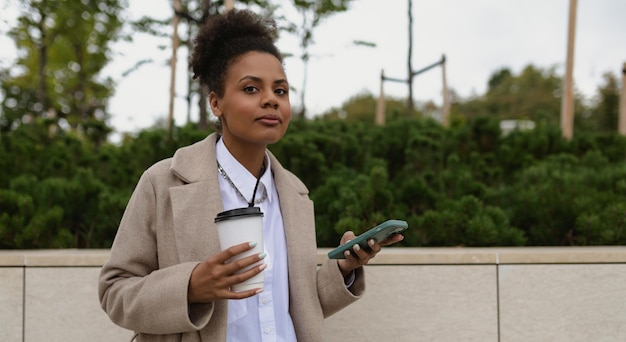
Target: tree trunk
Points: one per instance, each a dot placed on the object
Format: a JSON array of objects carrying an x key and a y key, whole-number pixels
[
  {"x": 203, "y": 121},
  {"x": 305, "y": 62},
  {"x": 42, "y": 96},
  {"x": 410, "y": 104},
  {"x": 622, "y": 104},
  {"x": 175, "y": 43}
]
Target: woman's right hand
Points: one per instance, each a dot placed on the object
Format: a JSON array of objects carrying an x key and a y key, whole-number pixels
[{"x": 212, "y": 278}]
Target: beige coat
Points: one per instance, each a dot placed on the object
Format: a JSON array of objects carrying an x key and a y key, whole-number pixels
[{"x": 168, "y": 228}]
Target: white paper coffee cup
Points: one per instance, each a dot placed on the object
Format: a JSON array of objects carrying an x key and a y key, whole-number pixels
[{"x": 241, "y": 225}]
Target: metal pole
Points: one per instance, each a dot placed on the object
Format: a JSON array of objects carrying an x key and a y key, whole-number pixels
[
  {"x": 567, "y": 105},
  {"x": 622, "y": 104}
]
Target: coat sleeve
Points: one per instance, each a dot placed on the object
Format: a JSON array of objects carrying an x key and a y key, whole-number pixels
[
  {"x": 133, "y": 290},
  {"x": 333, "y": 293}
]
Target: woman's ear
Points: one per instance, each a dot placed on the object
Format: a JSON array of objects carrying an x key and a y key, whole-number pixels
[{"x": 214, "y": 103}]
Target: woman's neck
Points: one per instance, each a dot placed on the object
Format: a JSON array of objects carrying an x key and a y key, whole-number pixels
[{"x": 252, "y": 157}]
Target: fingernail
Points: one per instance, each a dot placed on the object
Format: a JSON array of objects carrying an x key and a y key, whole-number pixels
[
  {"x": 259, "y": 291},
  {"x": 357, "y": 247},
  {"x": 252, "y": 244},
  {"x": 371, "y": 242},
  {"x": 346, "y": 253},
  {"x": 262, "y": 267},
  {"x": 262, "y": 256}
]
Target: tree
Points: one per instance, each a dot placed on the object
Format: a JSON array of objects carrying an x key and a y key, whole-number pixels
[
  {"x": 360, "y": 108},
  {"x": 63, "y": 46},
  {"x": 533, "y": 94},
  {"x": 312, "y": 13},
  {"x": 605, "y": 110},
  {"x": 190, "y": 15}
]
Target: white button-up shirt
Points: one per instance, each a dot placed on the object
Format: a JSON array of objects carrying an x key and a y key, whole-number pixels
[{"x": 264, "y": 317}]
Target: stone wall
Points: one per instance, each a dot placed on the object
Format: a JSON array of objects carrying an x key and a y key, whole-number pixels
[{"x": 413, "y": 294}]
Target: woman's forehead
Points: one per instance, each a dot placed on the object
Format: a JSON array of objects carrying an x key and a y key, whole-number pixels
[{"x": 257, "y": 64}]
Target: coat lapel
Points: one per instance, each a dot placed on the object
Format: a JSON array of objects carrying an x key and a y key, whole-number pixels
[
  {"x": 195, "y": 203},
  {"x": 298, "y": 220}
]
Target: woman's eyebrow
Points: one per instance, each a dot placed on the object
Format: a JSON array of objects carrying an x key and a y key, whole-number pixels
[{"x": 258, "y": 79}]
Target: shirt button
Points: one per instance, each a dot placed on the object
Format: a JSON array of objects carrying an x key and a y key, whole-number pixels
[
  {"x": 265, "y": 300},
  {"x": 266, "y": 330}
]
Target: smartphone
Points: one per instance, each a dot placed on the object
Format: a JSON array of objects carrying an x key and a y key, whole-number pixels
[{"x": 378, "y": 233}]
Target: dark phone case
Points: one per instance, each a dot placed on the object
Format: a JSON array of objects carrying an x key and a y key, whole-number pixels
[{"x": 378, "y": 233}]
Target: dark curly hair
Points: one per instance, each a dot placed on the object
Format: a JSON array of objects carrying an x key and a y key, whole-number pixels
[{"x": 224, "y": 38}]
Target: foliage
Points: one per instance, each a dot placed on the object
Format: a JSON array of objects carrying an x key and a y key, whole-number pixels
[
  {"x": 66, "y": 192},
  {"x": 469, "y": 185},
  {"x": 62, "y": 51},
  {"x": 606, "y": 105},
  {"x": 359, "y": 108},
  {"x": 64, "y": 186},
  {"x": 533, "y": 94}
]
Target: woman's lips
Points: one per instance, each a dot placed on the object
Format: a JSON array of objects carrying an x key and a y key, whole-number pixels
[{"x": 270, "y": 119}]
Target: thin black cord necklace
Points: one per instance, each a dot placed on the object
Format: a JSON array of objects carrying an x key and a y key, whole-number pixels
[{"x": 256, "y": 186}]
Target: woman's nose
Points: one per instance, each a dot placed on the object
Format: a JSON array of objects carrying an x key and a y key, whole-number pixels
[{"x": 270, "y": 101}]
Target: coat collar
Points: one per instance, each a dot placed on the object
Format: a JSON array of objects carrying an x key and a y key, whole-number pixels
[
  {"x": 196, "y": 202},
  {"x": 196, "y": 162}
]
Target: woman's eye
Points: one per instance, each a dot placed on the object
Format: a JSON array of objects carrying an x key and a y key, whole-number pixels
[
  {"x": 280, "y": 91},
  {"x": 249, "y": 89}
]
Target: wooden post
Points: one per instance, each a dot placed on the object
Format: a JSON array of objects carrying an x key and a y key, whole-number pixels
[
  {"x": 229, "y": 4},
  {"x": 567, "y": 104},
  {"x": 446, "y": 98},
  {"x": 380, "y": 106},
  {"x": 622, "y": 104}
]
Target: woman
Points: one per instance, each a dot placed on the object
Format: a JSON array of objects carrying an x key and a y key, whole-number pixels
[{"x": 167, "y": 278}]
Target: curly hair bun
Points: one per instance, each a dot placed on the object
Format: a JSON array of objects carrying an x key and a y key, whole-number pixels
[{"x": 224, "y": 38}]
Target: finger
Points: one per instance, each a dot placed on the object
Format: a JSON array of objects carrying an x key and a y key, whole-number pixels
[
  {"x": 230, "y": 252},
  {"x": 351, "y": 261},
  {"x": 243, "y": 294},
  {"x": 374, "y": 247},
  {"x": 245, "y": 275},
  {"x": 240, "y": 278},
  {"x": 347, "y": 236},
  {"x": 392, "y": 239},
  {"x": 360, "y": 253},
  {"x": 239, "y": 265}
]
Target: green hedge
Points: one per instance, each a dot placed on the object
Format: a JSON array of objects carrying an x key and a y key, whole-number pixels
[{"x": 468, "y": 185}]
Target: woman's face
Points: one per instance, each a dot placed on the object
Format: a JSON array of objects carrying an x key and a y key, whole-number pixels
[{"x": 255, "y": 108}]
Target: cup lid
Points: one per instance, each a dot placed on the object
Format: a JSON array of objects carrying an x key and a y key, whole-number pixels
[{"x": 238, "y": 213}]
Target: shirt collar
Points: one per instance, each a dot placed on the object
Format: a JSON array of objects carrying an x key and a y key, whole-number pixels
[{"x": 241, "y": 177}]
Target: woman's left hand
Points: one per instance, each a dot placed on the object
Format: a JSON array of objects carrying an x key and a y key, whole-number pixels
[{"x": 357, "y": 256}]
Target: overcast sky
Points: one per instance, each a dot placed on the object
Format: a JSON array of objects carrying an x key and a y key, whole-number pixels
[{"x": 478, "y": 37}]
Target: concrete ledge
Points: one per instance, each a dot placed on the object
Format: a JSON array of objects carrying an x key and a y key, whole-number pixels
[
  {"x": 495, "y": 256},
  {"x": 54, "y": 257},
  {"x": 389, "y": 256},
  {"x": 426, "y": 294}
]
